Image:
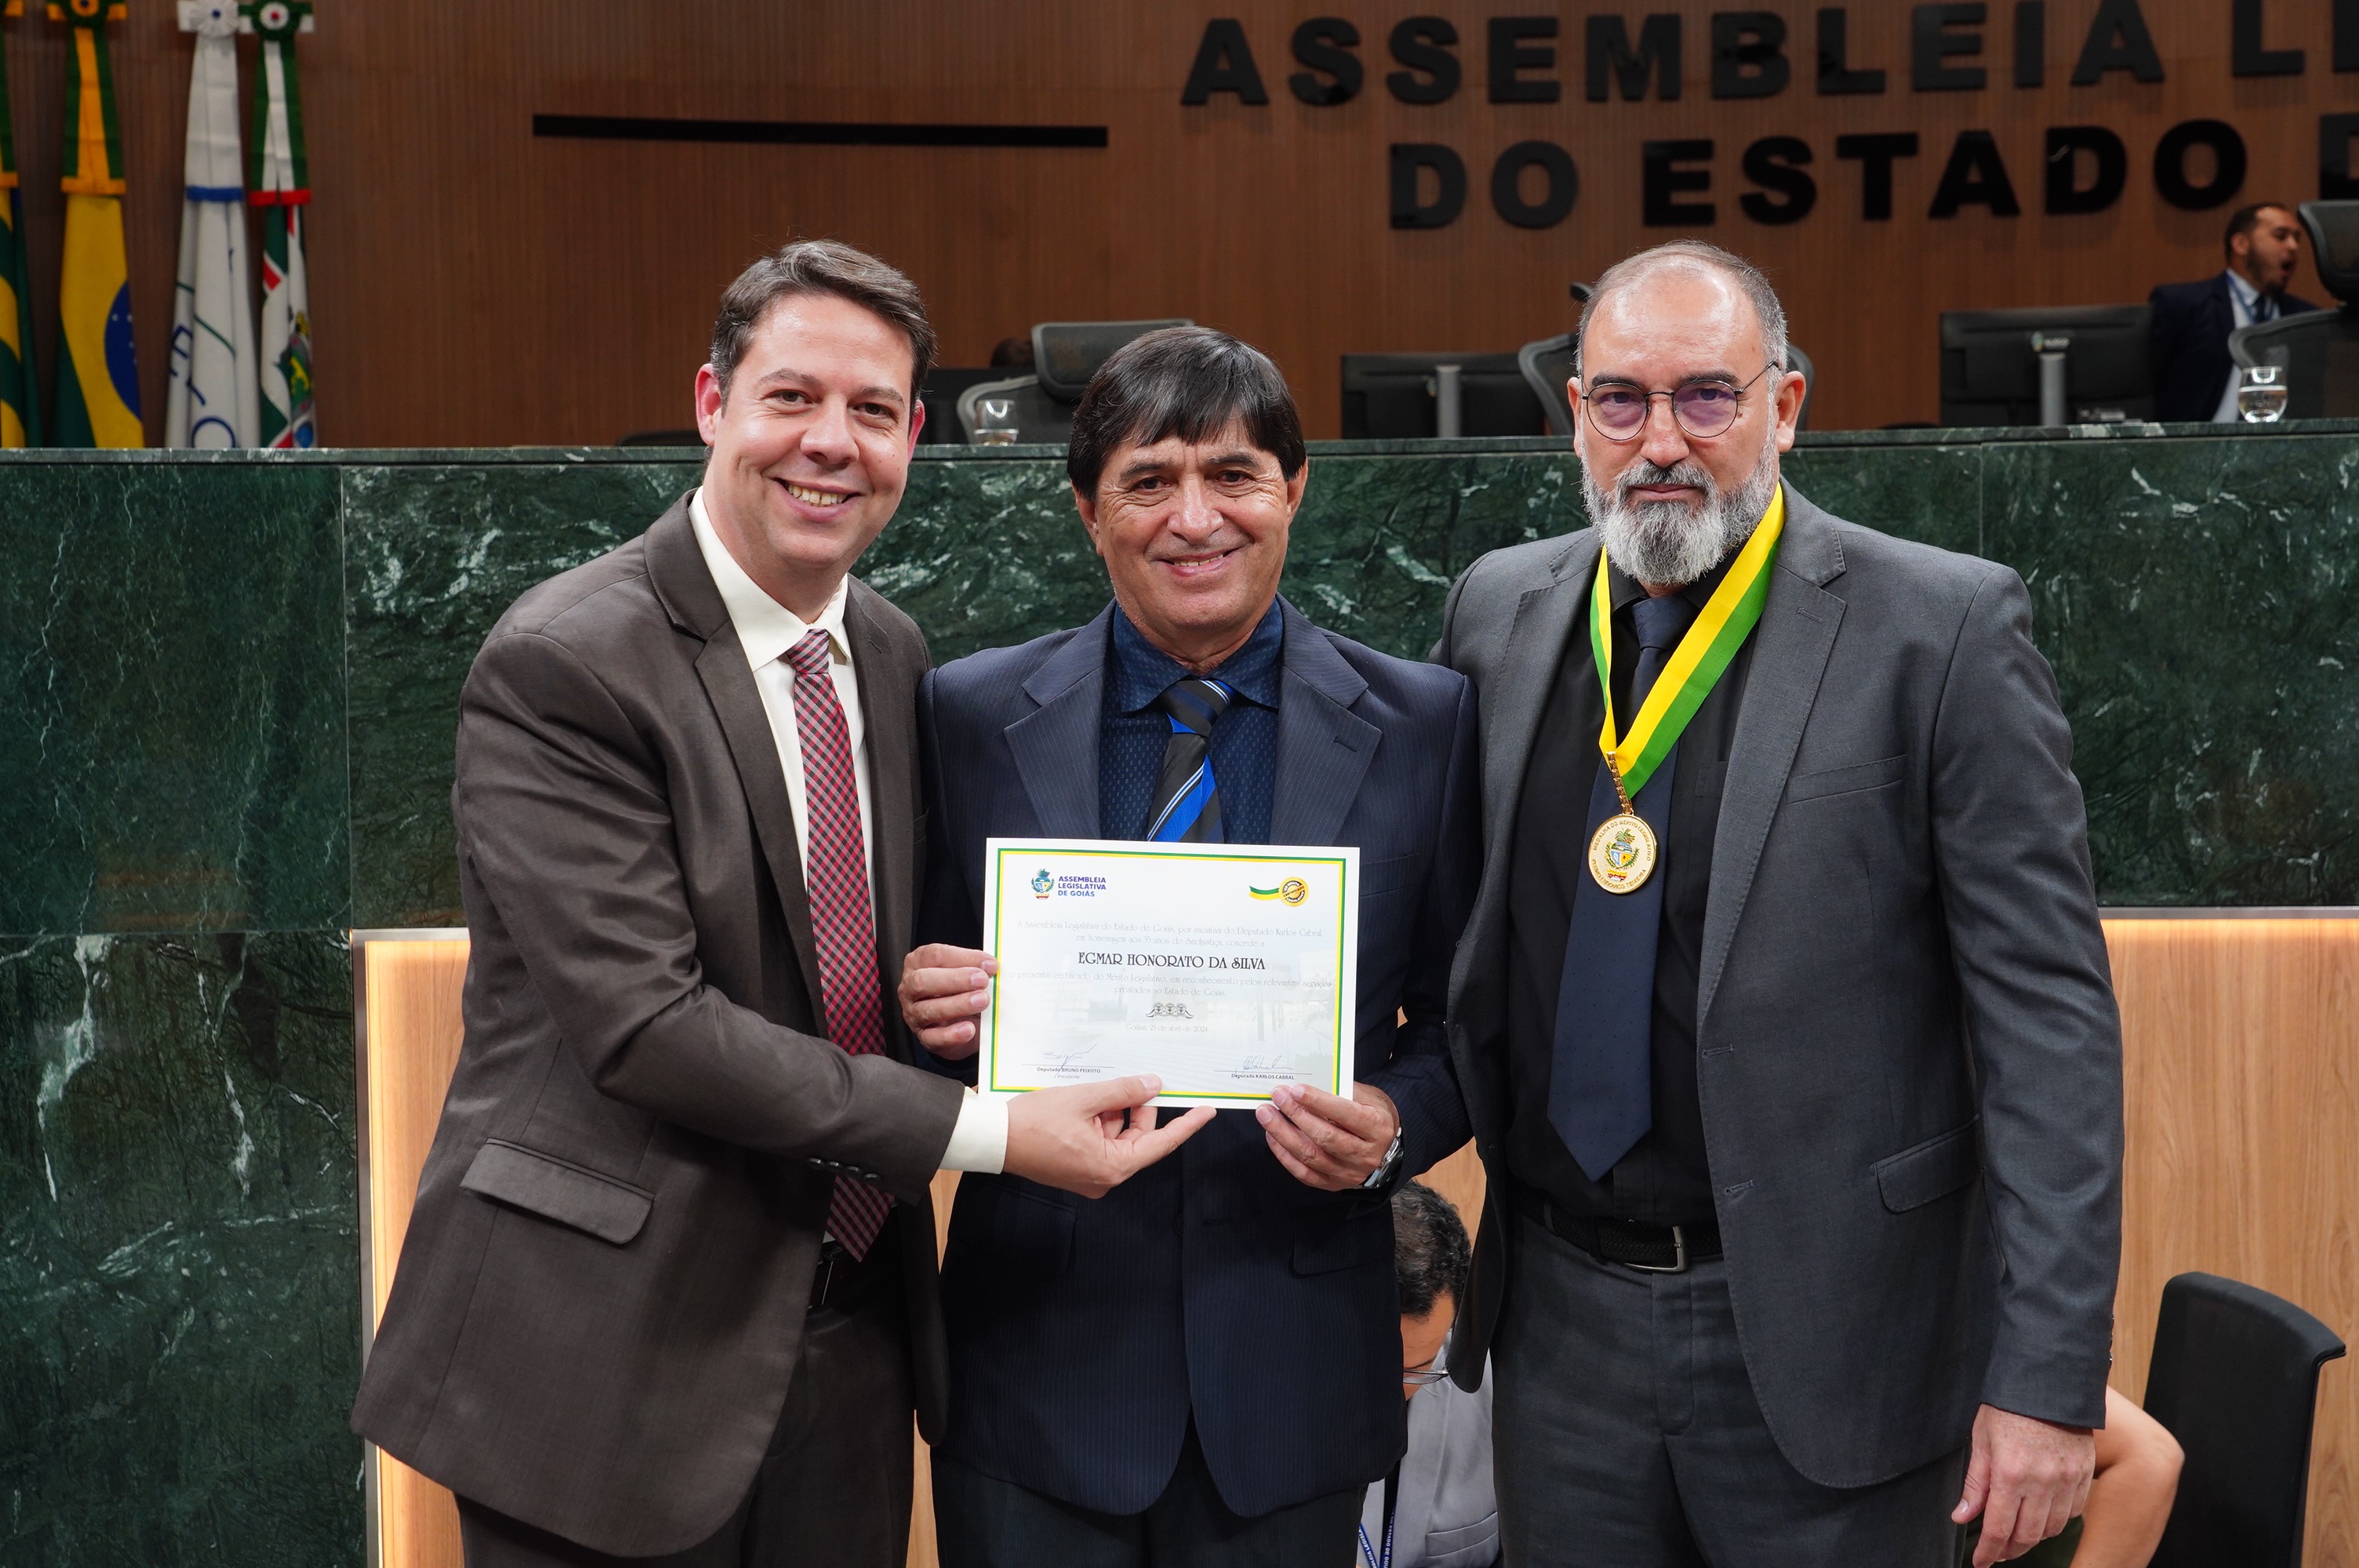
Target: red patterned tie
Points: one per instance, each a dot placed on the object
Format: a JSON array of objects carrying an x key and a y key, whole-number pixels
[{"x": 835, "y": 871}]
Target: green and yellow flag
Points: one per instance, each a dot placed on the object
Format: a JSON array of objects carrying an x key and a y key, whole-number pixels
[
  {"x": 98, "y": 373},
  {"x": 20, "y": 409}
]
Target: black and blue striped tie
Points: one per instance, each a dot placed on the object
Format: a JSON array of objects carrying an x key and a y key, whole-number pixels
[{"x": 1186, "y": 809}]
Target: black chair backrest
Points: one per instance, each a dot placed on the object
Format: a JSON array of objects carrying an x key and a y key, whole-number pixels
[
  {"x": 2234, "y": 1379},
  {"x": 2334, "y": 244},
  {"x": 1065, "y": 354},
  {"x": 1547, "y": 365}
]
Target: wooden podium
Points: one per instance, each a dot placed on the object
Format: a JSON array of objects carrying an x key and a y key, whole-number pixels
[{"x": 2241, "y": 1047}]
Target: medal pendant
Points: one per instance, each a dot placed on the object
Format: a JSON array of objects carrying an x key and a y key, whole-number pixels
[{"x": 1621, "y": 853}]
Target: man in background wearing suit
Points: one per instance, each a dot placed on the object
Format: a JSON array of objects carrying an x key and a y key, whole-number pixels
[
  {"x": 2193, "y": 379},
  {"x": 1203, "y": 1367},
  {"x": 1784, "y": 1015},
  {"x": 669, "y": 1290}
]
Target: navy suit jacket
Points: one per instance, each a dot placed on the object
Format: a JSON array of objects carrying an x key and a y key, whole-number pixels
[
  {"x": 2191, "y": 323},
  {"x": 1084, "y": 1335}
]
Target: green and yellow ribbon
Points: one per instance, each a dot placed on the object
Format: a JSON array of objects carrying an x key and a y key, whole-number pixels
[{"x": 1728, "y": 617}]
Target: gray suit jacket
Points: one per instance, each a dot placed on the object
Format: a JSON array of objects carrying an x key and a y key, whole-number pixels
[
  {"x": 601, "y": 1295},
  {"x": 1908, "y": 1054}
]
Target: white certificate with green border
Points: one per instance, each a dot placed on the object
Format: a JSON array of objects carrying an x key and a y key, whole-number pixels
[{"x": 1225, "y": 970}]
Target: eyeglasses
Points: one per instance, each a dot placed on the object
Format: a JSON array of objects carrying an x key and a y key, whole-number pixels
[
  {"x": 1702, "y": 409},
  {"x": 1432, "y": 1373}
]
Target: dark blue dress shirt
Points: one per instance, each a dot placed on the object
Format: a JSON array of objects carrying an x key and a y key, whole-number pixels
[{"x": 1132, "y": 732}]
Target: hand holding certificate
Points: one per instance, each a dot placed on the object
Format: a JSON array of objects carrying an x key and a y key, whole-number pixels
[{"x": 1225, "y": 970}]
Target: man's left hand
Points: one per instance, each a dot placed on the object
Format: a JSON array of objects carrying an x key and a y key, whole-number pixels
[
  {"x": 2028, "y": 1480},
  {"x": 1328, "y": 1143}
]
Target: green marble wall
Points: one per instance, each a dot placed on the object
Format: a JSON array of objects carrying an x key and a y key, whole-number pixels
[{"x": 227, "y": 693}]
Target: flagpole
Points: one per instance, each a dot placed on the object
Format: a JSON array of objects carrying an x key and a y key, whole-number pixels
[
  {"x": 20, "y": 405},
  {"x": 216, "y": 389},
  {"x": 98, "y": 368}
]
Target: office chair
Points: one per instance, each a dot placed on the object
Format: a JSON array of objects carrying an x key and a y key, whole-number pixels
[
  {"x": 2318, "y": 349},
  {"x": 1065, "y": 354},
  {"x": 1548, "y": 365},
  {"x": 2234, "y": 1379}
]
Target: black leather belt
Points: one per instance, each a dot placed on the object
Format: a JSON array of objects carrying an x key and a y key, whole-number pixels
[
  {"x": 1650, "y": 1249},
  {"x": 840, "y": 1275}
]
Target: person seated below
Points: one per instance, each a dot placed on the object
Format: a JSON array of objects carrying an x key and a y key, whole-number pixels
[
  {"x": 2129, "y": 1501},
  {"x": 1439, "y": 1503},
  {"x": 2193, "y": 380}
]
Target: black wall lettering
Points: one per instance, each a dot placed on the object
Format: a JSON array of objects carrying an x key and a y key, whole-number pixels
[
  {"x": 2030, "y": 42},
  {"x": 1423, "y": 44},
  {"x": 1325, "y": 44},
  {"x": 1786, "y": 193},
  {"x": 2334, "y": 134},
  {"x": 2170, "y": 181},
  {"x": 1933, "y": 44},
  {"x": 1662, "y": 180},
  {"x": 1875, "y": 153},
  {"x": 2118, "y": 40},
  {"x": 1225, "y": 63},
  {"x": 1409, "y": 160},
  {"x": 1836, "y": 77},
  {"x": 2346, "y": 34},
  {"x": 1562, "y": 185},
  {"x": 1749, "y": 55},
  {"x": 1612, "y": 59},
  {"x": 1976, "y": 175},
  {"x": 2245, "y": 53},
  {"x": 1511, "y": 57},
  {"x": 2111, "y": 172}
]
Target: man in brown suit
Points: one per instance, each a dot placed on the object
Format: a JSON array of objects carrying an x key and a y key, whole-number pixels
[{"x": 669, "y": 1291}]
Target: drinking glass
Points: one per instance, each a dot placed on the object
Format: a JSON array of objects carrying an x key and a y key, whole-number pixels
[
  {"x": 994, "y": 423},
  {"x": 2261, "y": 393}
]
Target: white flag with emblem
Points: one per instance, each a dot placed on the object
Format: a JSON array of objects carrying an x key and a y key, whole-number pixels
[{"x": 216, "y": 395}]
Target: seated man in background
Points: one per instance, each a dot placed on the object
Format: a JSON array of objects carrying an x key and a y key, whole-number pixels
[
  {"x": 1438, "y": 1509},
  {"x": 2192, "y": 378},
  {"x": 2129, "y": 1502},
  {"x": 1203, "y": 1368}
]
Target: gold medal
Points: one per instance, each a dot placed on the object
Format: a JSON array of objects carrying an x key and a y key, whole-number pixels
[{"x": 1623, "y": 851}]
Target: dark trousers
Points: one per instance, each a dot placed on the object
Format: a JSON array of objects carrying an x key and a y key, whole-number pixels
[
  {"x": 1626, "y": 1436},
  {"x": 983, "y": 1521},
  {"x": 833, "y": 1492}
]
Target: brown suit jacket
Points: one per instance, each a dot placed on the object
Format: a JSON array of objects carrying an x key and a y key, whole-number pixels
[{"x": 601, "y": 1295}]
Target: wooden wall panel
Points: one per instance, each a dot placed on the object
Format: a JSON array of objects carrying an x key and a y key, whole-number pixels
[
  {"x": 2242, "y": 1079},
  {"x": 473, "y": 286}
]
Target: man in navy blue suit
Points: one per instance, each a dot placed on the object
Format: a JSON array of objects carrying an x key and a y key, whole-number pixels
[
  {"x": 1202, "y": 1366},
  {"x": 2192, "y": 320}
]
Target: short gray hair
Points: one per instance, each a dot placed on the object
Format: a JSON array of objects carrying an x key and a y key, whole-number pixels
[
  {"x": 1693, "y": 256},
  {"x": 819, "y": 267},
  {"x": 1430, "y": 1255}
]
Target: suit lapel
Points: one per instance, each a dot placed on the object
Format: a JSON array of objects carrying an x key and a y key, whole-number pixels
[
  {"x": 1056, "y": 745},
  {"x": 1323, "y": 748},
  {"x": 1791, "y": 647},
  {"x": 729, "y": 683},
  {"x": 888, "y": 683},
  {"x": 1546, "y": 617}
]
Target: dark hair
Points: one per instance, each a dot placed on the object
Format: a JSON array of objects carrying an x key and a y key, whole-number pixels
[
  {"x": 819, "y": 267},
  {"x": 1430, "y": 1256},
  {"x": 2244, "y": 220},
  {"x": 1188, "y": 382}
]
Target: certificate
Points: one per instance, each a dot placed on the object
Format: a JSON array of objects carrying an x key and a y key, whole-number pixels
[{"x": 1225, "y": 970}]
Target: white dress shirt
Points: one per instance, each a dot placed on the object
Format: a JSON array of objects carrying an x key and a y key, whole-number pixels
[
  {"x": 766, "y": 630},
  {"x": 2243, "y": 303}
]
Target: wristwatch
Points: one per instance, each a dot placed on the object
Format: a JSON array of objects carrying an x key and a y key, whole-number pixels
[{"x": 1383, "y": 1170}]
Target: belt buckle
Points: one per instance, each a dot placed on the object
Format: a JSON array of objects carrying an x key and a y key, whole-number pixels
[
  {"x": 1679, "y": 1255},
  {"x": 823, "y": 1281}
]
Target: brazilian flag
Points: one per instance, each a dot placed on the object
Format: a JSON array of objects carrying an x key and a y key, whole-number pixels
[
  {"x": 98, "y": 374},
  {"x": 20, "y": 410}
]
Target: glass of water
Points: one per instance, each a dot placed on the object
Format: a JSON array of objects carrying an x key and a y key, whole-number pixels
[
  {"x": 2261, "y": 393},
  {"x": 994, "y": 423}
]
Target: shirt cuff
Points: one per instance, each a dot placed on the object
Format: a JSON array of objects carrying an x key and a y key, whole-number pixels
[{"x": 979, "y": 1141}]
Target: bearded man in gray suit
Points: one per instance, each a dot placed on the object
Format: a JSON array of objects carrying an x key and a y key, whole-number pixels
[{"x": 1793, "y": 1056}]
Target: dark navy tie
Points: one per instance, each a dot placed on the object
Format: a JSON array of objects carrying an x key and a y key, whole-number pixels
[
  {"x": 1186, "y": 808},
  {"x": 1601, "y": 1088}
]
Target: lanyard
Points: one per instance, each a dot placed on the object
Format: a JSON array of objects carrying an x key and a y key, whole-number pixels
[{"x": 1369, "y": 1554}]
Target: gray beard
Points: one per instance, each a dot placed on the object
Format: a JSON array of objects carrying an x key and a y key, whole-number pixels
[{"x": 1666, "y": 543}]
